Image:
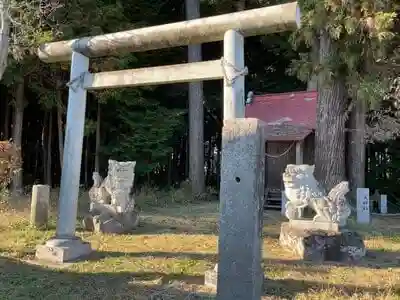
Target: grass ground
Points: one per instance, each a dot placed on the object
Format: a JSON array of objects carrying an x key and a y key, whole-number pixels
[{"x": 168, "y": 254}]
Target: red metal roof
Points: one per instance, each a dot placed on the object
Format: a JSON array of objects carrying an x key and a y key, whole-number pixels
[{"x": 290, "y": 116}]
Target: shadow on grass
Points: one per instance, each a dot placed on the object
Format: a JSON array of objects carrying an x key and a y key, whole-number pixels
[
  {"x": 150, "y": 228},
  {"x": 20, "y": 280},
  {"x": 211, "y": 257},
  {"x": 373, "y": 260},
  {"x": 290, "y": 288}
]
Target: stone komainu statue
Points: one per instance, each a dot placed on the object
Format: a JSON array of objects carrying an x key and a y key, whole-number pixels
[
  {"x": 112, "y": 203},
  {"x": 10, "y": 162},
  {"x": 302, "y": 190}
]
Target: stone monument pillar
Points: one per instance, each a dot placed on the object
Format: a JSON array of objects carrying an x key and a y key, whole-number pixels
[
  {"x": 40, "y": 205},
  {"x": 239, "y": 274}
]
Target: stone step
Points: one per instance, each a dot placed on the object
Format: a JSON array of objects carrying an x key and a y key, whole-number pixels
[
  {"x": 273, "y": 203},
  {"x": 269, "y": 206},
  {"x": 276, "y": 199},
  {"x": 278, "y": 196}
]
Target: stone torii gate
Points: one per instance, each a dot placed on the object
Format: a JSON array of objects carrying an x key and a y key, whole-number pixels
[{"x": 231, "y": 28}]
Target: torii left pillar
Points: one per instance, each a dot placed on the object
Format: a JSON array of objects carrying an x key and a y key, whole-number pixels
[{"x": 66, "y": 246}]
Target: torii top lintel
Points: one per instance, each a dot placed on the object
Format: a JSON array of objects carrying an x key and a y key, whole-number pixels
[{"x": 271, "y": 19}]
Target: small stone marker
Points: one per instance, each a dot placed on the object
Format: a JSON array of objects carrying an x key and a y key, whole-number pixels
[
  {"x": 363, "y": 214},
  {"x": 383, "y": 204},
  {"x": 283, "y": 204},
  {"x": 240, "y": 275},
  {"x": 40, "y": 205}
]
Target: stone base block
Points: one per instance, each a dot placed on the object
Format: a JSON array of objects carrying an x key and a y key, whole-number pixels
[
  {"x": 322, "y": 245},
  {"x": 211, "y": 277},
  {"x": 114, "y": 224},
  {"x": 314, "y": 225},
  {"x": 60, "y": 250}
]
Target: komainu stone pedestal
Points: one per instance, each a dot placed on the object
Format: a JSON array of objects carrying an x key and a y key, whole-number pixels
[
  {"x": 59, "y": 250},
  {"x": 314, "y": 244}
]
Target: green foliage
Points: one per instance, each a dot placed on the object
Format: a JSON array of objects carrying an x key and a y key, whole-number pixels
[
  {"x": 371, "y": 88},
  {"x": 143, "y": 131},
  {"x": 27, "y": 28},
  {"x": 361, "y": 33},
  {"x": 90, "y": 127}
]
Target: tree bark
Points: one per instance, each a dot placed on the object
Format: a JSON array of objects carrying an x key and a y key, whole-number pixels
[
  {"x": 357, "y": 146},
  {"x": 49, "y": 149},
  {"x": 6, "y": 129},
  {"x": 44, "y": 145},
  {"x": 240, "y": 5},
  {"x": 60, "y": 126},
  {"x": 312, "y": 84},
  {"x": 17, "y": 133},
  {"x": 357, "y": 143},
  {"x": 98, "y": 141},
  {"x": 330, "y": 165},
  {"x": 4, "y": 35},
  {"x": 86, "y": 174},
  {"x": 196, "y": 113}
]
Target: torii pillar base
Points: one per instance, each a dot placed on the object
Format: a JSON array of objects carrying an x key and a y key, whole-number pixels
[{"x": 62, "y": 250}]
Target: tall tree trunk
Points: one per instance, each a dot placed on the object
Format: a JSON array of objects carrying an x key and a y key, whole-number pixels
[
  {"x": 6, "y": 126},
  {"x": 209, "y": 160},
  {"x": 44, "y": 146},
  {"x": 312, "y": 84},
  {"x": 60, "y": 125},
  {"x": 357, "y": 146},
  {"x": 85, "y": 180},
  {"x": 170, "y": 166},
  {"x": 49, "y": 150},
  {"x": 4, "y": 35},
  {"x": 98, "y": 137},
  {"x": 240, "y": 5},
  {"x": 17, "y": 133},
  {"x": 37, "y": 155},
  {"x": 330, "y": 164},
  {"x": 187, "y": 163},
  {"x": 196, "y": 113}
]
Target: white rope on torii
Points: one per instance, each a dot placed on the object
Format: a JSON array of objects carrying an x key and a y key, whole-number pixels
[
  {"x": 229, "y": 80},
  {"x": 77, "y": 82}
]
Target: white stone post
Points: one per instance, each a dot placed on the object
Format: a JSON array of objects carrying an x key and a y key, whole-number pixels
[
  {"x": 383, "y": 204},
  {"x": 363, "y": 213},
  {"x": 40, "y": 205},
  {"x": 66, "y": 246},
  {"x": 234, "y": 72}
]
